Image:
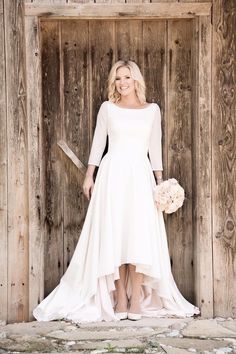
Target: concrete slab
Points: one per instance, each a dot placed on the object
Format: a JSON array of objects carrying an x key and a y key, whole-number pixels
[
  {"x": 169, "y": 350},
  {"x": 112, "y": 345},
  {"x": 34, "y": 327},
  {"x": 229, "y": 324},
  {"x": 198, "y": 344},
  {"x": 144, "y": 322},
  {"x": 80, "y": 334},
  {"x": 208, "y": 329}
]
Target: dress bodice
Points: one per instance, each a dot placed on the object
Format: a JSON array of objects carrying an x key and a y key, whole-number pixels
[{"x": 131, "y": 132}]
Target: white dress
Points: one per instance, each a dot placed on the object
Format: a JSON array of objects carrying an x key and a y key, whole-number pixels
[{"x": 122, "y": 225}]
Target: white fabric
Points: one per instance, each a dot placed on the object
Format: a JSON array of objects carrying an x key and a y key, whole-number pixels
[{"x": 122, "y": 225}]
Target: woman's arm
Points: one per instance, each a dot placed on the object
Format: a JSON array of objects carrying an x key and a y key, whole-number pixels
[
  {"x": 97, "y": 149},
  {"x": 155, "y": 146}
]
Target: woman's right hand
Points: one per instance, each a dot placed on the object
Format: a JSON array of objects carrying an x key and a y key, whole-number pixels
[{"x": 88, "y": 186}]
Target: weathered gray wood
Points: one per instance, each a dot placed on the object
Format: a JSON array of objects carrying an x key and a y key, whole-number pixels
[
  {"x": 17, "y": 146},
  {"x": 51, "y": 2},
  {"x": 101, "y": 59},
  {"x": 195, "y": 1},
  {"x": 224, "y": 157},
  {"x": 3, "y": 175},
  {"x": 129, "y": 41},
  {"x": 151, "y": 10},
  {"x": 77, "y": 162},
  {"x": 154, "y": 63},
  {"x": 52, "y": 133},
  {"x": 179, "y": 117},
  {"x": 36, "y": 188},
  {"x": 80, "y": 1},
  {"x": 202, "y": 188},
  {"x": 75, "y": 92}
]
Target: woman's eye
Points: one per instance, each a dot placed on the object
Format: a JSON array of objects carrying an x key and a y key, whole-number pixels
[{"x": 117, "y": 78}]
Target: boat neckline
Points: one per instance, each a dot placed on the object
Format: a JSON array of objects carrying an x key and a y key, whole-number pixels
[{"x": 137, "y": 109}]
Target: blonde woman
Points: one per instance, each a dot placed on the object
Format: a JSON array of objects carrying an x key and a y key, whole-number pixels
[{"x": 121, "y": 267}]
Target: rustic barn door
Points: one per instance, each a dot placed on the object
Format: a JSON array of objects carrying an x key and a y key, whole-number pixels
[{"x": 76, "y": 58}]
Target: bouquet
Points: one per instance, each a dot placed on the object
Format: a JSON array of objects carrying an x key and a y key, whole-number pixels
[{"x": 169, "y": 196}]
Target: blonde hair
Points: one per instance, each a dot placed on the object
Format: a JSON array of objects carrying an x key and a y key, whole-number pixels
[{"x": 140, "y": 87}]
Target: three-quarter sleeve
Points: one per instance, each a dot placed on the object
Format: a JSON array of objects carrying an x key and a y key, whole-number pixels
[
  {"x": 155, "y": 146},
  {"x": 99, "y": 137}
]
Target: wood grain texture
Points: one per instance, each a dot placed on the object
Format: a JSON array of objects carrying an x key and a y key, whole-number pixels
[
  {"x": 36, "y": 188},
  {"x": 202, "y": 188},
  {"x": 101, "y": 60},
  {"x": 224, "y": 157},
  {"x": 75, "y": 93},
  {"x": 17, "y": 145},
  {"x": 180, "y": 86},
  {"x": 50, "y": 2},
  {"x": 114, "y": 10},
  {"x": 129, "y": 41},
  {"x": 154, "y": 71},
  {"x": 52, "y": 133},
  {"x": 3, "y": 175},
  {"x": 73, "y": 158},
  {"x": 80, "y": 1}
]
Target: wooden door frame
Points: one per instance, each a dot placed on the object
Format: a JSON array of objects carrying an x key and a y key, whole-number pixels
[{"x": 202, "y": 213}]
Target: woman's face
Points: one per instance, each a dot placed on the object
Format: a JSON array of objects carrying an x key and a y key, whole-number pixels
[{"x": 124, "y": 83}]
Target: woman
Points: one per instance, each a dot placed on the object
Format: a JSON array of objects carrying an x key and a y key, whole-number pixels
[{"x": 121, "y": 267}]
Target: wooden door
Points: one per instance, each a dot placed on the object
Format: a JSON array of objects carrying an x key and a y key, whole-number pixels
[{"x": 76, "y": 58}]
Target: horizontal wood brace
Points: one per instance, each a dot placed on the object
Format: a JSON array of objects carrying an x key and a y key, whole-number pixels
[{"x": 100, "y": 10}]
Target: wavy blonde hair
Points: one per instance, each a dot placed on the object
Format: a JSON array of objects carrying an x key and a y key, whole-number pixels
[{"x": 140, "y": 87}]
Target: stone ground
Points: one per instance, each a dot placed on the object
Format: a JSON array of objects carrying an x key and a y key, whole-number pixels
[{"x": 149, "y": 335}]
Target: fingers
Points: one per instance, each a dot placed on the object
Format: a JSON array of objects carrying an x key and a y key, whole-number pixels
[{"x": 88, "y": 192}]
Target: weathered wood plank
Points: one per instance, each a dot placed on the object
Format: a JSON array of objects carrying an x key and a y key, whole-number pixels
[
  {"x": 196, "y": 1},
  {"x": 152, "y": 10},
  {"x": 202, "y": 188},
  {"x": 129, "y": 41},
  {"x": 18, "y": 233},
  {"x": 154, "y": 57},
  {"x": 179, "y": 116},
  {"x": 52, "y": 133},
  {"x": 224, "y": 157},
  {"x": 3, "y": 175},
  {"x": 36, "y": 188},
  {"x": 80, "y": 1},
  {"x": 51, "y": 2},
  {"x": 101, "y": 59},
  {"x": 75, "y": 91},
  {"x": 73, "y": 158}
]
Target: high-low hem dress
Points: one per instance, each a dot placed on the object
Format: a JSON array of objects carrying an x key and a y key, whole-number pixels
[{"x": 122, "y": 226}]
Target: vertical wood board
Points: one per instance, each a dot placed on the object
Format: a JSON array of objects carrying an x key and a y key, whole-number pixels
[
  {"x": 3, "y": 175},
  {"x": 36, "y": 187},
  {"x": 224, "y": 157},
  {"x": 75, "y": 93},
  {"x": 179, "y": 144},
  {"x": 52, "y": 133},
  {"x": 17, "y": 145}
]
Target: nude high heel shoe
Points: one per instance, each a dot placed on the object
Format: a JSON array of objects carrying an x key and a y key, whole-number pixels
[
  {"x": 121, "y": 315},
  {"x": 134, "y": 316}
]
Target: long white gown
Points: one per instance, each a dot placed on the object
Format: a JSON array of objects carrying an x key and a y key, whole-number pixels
[{"x": 122, "y": 225}]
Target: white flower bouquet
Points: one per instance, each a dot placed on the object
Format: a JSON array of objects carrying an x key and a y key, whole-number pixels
[{"x": 169, "y": 196}]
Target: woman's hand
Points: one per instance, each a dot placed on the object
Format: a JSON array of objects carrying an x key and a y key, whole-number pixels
[
  {"x": 88, "y": 182},
  {"x": 159, "y": 177},
  {"x": 88, "y": 186}
]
